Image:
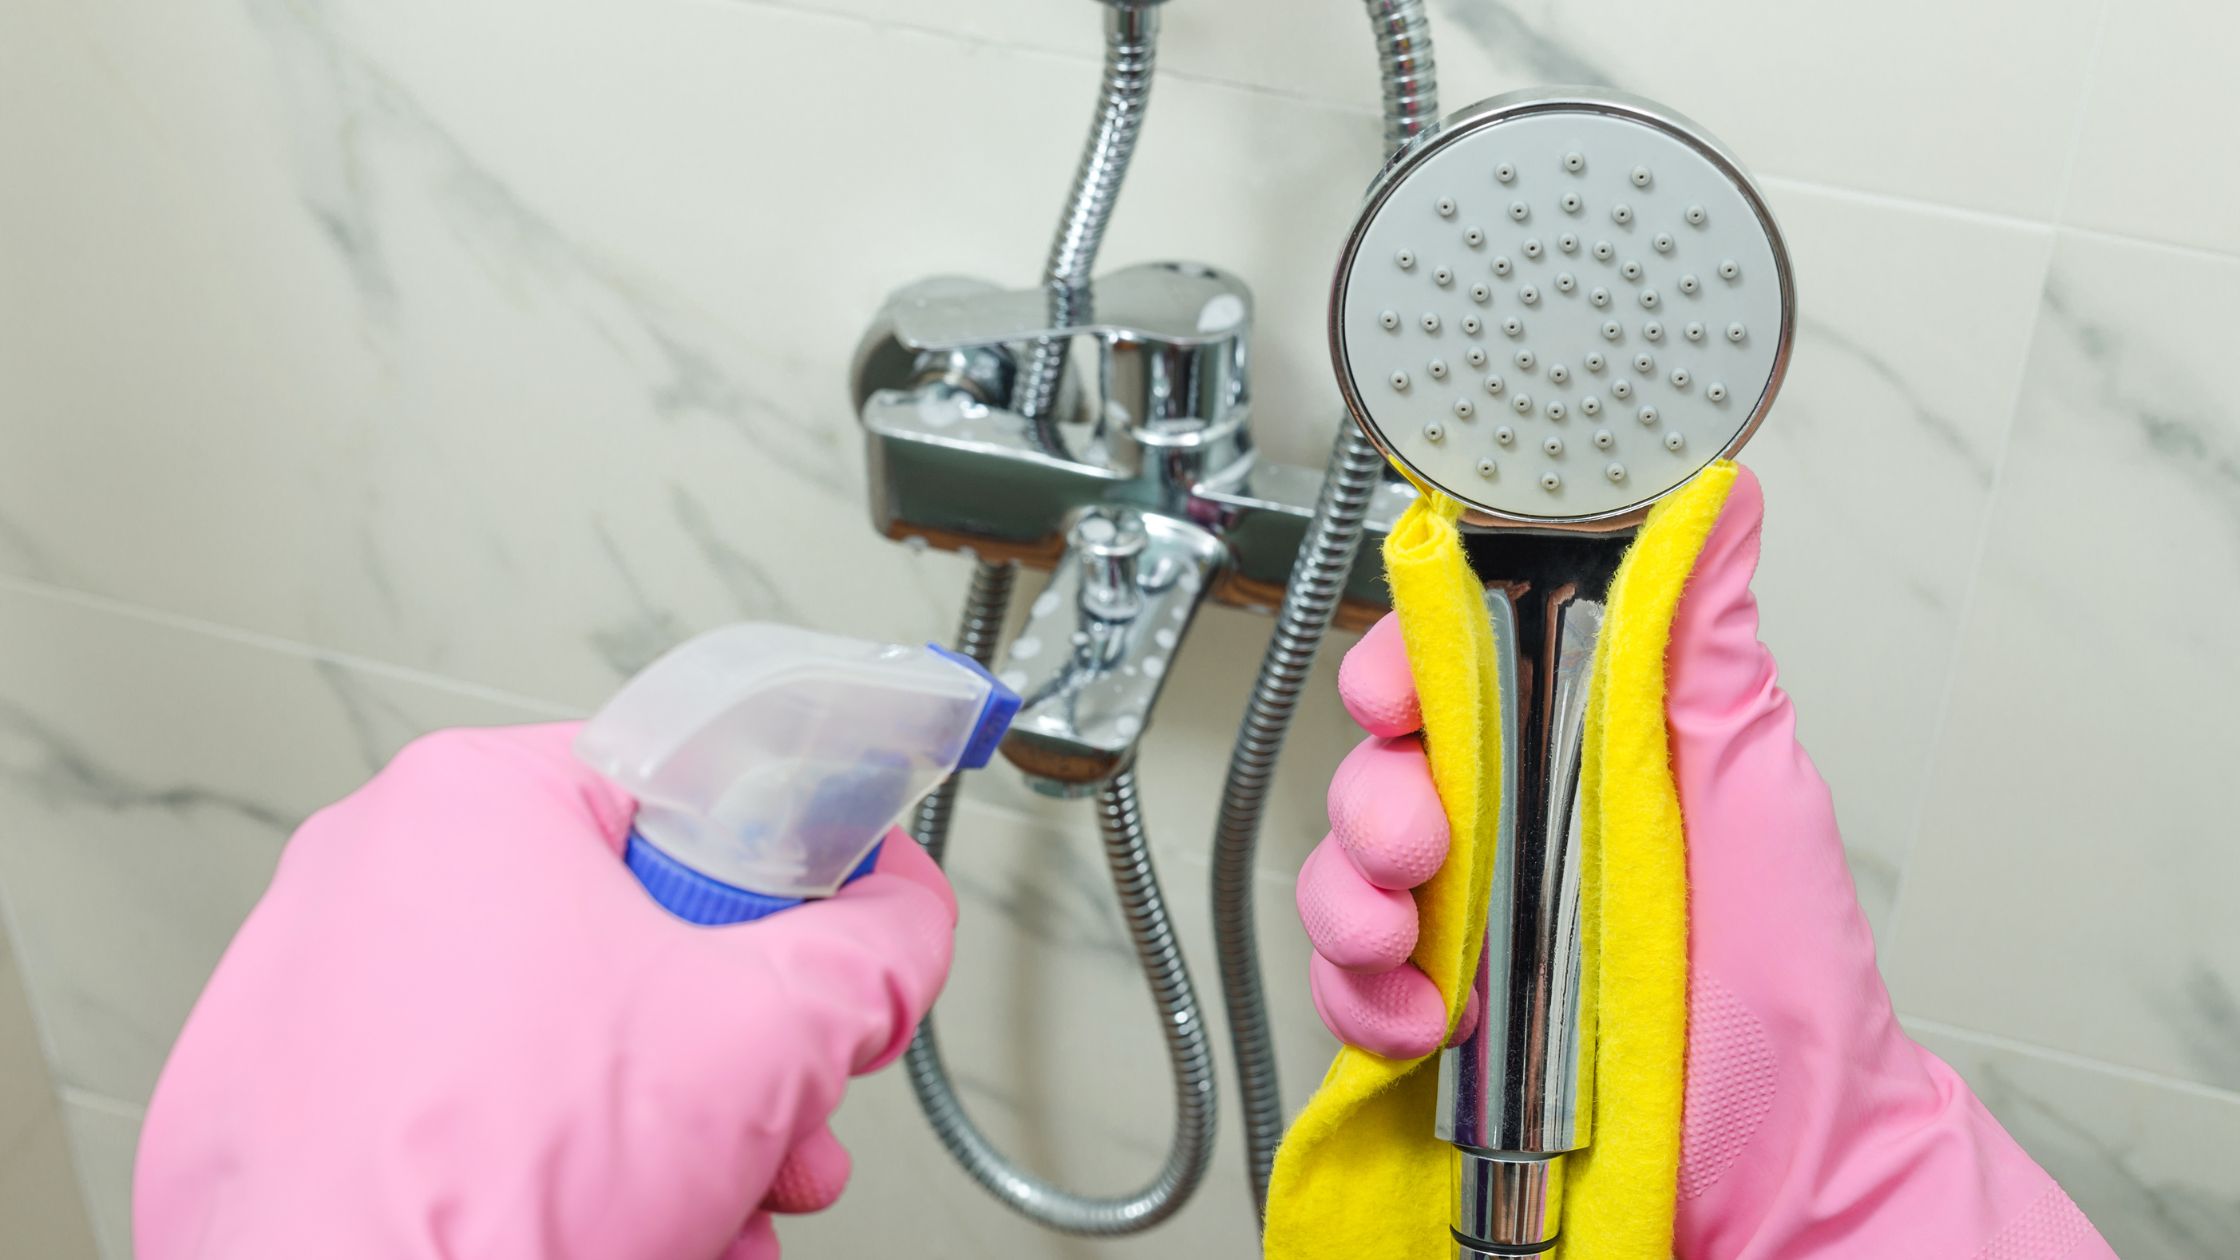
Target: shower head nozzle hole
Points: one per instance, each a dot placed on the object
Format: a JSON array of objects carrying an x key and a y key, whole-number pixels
[
  {"x": 1736, "y": 332},
  {"x": 1652, "y": 330},
  {"x": 1680, "y": 378},
  {"x": 1476, "y": 355},
  {"x": 1603, "y": 439},
  {"x": 1600, "y": 296},
  {"x": 1612, "y": 330},
  {"x": 1571, "y": 203},
  {"x": 1438, "y": 369},
  {"x": 1694, "y": 331},
  {"x": 1525, "y": 359},
  {"x": 1481, "y": 293},
  {"x": 1590, "y": 405},
  {"x": 1435, "y": 431},
  {"x": 1487, "y": 468},
  {"x": 1640, "y": 177},
  {"x": 1594, "y": 360},
  {"x": 1464, "y": 408},
  {"x": 1519, "y": 211},
  {"x": 1729, "y": 269},
  {"x": 1502, "y": 266},
  {"x": 1649, "y": 298},
  {"x": 1389, "y": 320},
  {"x": 1532, "y": 248},
  {"x": 1566, "y": 282},
  {"x": 1430, "y": 322},
  {"x": 1621, "y": 213},
  {"x": 1689, "y": 283},
  {"x": 1513, "y": 326},
  {"x": 1603, "y": 250},
  {"x": 1406, "y": 258},
  {"x": 1494, "y": 383},
  {"x": 1505, "y": 435},
  {"x": 1550, "y": 482},
  {"x": 1446, "y": 207},
  {"x": 1475, "y": 236},
  {"x": 1621, "y": 388},
  {"x": 1529, "y": 294},
  {"x": 1522, "y": 403},
  {"x": 1715, "y": 391},
  {"x": 1697, "y": 216},
  {"x": 1663, "y": 242},
  {"x": 1553, "y": 446},
  {"x": 1630, "y": 269},
  {"x": 1443, "y": 277},
  {"x": 1644, "y": 362},
  {"x": 1555, "y": 410},
  {"x": 1615, "y": 472},
  {"x": 1471, "y": 324},
  {"x": 1400, "y": 380},
  {"x": 1505, "y": 172},
  {"x": 1568, "y": 243},
  {"x": 1559, "y": 373},
  {"x": 1574, "y": 162},
  {"x": 1647, "y": 415},
  {"x": 1673, "y": 441}
]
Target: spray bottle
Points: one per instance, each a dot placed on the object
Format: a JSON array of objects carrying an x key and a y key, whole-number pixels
[{"x": 768, "y": 761}]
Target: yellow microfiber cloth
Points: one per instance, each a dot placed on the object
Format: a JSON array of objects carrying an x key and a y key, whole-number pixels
[{"x": 1361, "y": 1175}]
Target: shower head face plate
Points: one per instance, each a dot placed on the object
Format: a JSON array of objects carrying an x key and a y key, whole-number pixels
[{"x": 1558, "y": 309}]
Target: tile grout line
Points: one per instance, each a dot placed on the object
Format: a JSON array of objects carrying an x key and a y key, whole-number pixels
[
  {"x": 2085, "y": 91},
  {"x": 241, "y": 637},
  {"x": 106, "y": 1104},
  {"x": 2071, "y": 1059}
]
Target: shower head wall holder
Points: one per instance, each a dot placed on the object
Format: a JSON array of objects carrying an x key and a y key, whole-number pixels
[{"x": 1558, "y": 306}]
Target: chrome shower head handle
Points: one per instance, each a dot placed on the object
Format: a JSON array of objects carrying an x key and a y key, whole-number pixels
[{"x": 1557, "y": 308}]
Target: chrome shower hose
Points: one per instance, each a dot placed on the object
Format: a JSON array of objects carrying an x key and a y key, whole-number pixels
[
  {"x": 1130, "y": 37},
  {"x": 1310, "y": 600}
]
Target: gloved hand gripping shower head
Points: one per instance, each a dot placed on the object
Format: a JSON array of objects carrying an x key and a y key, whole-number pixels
[{"x": 1556, "y": 308}]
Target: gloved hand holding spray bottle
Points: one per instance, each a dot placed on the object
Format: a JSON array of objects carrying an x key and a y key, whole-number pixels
[{"x": 455, "y": 1026}]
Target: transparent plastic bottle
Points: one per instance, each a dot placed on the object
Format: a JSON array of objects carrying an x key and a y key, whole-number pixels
[{"x": 769, "y": 761}]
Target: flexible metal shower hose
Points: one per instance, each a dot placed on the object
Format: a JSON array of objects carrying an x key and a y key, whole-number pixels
[
  {"x": 1310, "y": 600},
  {"x": 1130, "y": 37}
]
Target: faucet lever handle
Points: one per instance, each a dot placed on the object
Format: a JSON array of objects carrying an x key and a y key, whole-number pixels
[{"x": 1175, "y": 303}]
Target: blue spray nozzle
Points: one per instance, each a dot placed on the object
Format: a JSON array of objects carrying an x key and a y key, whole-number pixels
[{"x": 996, "y": 712}]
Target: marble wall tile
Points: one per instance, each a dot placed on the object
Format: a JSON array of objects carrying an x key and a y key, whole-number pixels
[
  {"x": 1877, "y": 464},
  {"x": 2153, "y": 153},
  {"x": 150, "y": 775},
  {"x": 2072, "y": 882},
  {"x": 1860, "y": 97},
  {"x": 41, "y": 1212},
  {"x": 2150, "y": 1163},
  {"x": 104, "y": 1134}
]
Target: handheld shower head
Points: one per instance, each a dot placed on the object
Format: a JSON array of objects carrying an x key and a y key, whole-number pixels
[{"x": 1557, "y": 307}]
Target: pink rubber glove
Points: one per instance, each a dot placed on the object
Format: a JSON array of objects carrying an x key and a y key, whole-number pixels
[
  {"x": 1815, "y": 1128},
  {"x": 456, "y": 1027}
]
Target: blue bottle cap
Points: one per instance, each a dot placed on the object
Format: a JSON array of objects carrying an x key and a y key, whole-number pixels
[{"x": 695, "y": 898}]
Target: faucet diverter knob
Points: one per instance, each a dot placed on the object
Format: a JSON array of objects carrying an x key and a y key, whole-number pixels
[{"x": 1109, "y": 541}]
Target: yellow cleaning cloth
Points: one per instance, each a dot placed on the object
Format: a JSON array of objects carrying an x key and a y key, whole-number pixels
[{"x": 1361, "y": 1176}]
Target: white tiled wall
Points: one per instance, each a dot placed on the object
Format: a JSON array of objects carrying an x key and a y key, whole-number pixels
[{"x": 366, "y": 368}]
